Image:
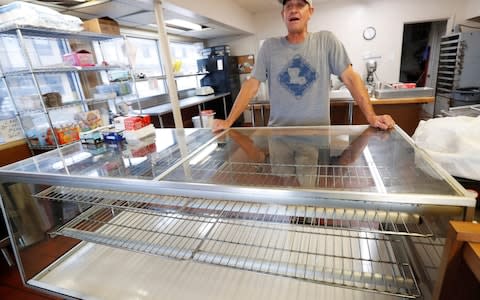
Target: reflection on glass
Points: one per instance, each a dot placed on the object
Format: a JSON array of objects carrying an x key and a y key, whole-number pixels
[
  {"x": 146, "y": 159},
  {"x": 345, "y": 159}
]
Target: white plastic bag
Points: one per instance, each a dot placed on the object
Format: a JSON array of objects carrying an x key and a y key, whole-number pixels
[
  {"x": 453, "y": 142},
  {"x": 29, "y": 14}
]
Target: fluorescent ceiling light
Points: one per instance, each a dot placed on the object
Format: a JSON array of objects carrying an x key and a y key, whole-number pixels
[{"x": 182, "y": 24}]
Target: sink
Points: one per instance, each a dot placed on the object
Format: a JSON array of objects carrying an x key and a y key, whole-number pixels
[{"x": 404, "y": 93}]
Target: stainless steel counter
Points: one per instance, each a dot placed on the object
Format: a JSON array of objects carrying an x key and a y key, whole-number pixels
[
  {"x": 162, "y": 109},
  {"x": 347, "y": 211}
]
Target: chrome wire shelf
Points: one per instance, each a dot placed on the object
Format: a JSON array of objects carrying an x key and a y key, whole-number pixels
[
  {"x": 63, "y": 69},
  {"x": 305, "y": 217},
  {"x": 358, "y": 260}
]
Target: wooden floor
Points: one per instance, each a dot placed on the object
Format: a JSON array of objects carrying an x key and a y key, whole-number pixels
[{"x": 12, "y": 288}]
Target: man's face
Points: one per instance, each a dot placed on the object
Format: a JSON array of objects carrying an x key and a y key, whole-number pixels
[{"x": 296, "y": 14}]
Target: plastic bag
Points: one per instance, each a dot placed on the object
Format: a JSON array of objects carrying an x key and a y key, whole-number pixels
[
  {"x": 452, "y": 142},
  {"x": 28, "y": 14}
]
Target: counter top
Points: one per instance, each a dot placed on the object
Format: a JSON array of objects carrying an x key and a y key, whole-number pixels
[
  {"x": 414, "y": 100},
  {"x": 375, "y": 101},
  {"x": 12, "y": 144},
  {"x": 185, "y": 102}
]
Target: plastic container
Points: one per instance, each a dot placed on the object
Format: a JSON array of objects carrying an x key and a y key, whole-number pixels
[
  {"x": 207, "y": 119},
  {"x": 196, "y": 122},
  {"x": 81, "y": 58}
]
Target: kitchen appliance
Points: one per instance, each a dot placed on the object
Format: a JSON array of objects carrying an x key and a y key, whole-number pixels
[
  {"x": 371, "y": 69},
  {"x": 204, "y": 90},
  {"x": 222, "y": 75},
  {"x": 458, "y": 81}
]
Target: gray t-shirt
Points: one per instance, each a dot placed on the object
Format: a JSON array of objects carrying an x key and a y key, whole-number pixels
[{"x": 299, "y": 77}]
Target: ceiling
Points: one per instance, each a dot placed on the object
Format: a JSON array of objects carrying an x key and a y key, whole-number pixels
[
  {"x": 255, "y": 6},
  {"x": 139, "y": 14}
]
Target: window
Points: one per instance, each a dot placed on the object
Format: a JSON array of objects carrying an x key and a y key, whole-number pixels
[
  {"x": 147, "y": 66},
  {"x": 146, "y": 56},
  {"x": 184, "y": 60},
  {"x": 186, "y": 55},
  {"x": 42, "y": 52}
]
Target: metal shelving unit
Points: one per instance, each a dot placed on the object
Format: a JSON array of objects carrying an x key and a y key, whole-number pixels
[
  {"x": 55, "y": 33},
  {"x": 32, "y": 71},
  {"x": 63, "y": 70}
]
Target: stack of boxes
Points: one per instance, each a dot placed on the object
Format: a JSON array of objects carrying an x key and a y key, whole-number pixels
[{"x": 134, "y": 127}]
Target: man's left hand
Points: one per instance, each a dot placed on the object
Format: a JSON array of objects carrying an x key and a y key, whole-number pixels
[{"x": 383, "y": 122}]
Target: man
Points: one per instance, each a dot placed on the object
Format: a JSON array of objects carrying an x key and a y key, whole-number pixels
[{"x": 298, "y": 69}]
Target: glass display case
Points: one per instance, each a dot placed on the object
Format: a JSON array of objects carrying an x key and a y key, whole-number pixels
[
  {"x": 340, "y": 212},
  {"x": 52, "y": 77}
]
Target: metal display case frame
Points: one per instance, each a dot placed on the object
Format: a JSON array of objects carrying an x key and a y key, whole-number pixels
[{"x": 360, "y": 224}]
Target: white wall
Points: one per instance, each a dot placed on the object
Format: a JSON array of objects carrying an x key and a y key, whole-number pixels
[
  {"x": 470, "y": 10},
  {"x": 226, "y": 12},
  {"x": 347, "y": 19}
]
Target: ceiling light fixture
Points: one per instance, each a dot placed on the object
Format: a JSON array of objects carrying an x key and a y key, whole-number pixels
[{"x": 183, "y": 25}]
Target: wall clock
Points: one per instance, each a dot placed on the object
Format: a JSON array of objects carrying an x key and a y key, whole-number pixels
[{"x": 369, "y": 33}]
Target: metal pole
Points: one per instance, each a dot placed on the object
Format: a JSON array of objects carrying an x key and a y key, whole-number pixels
[{"x": 167, "y": 62}]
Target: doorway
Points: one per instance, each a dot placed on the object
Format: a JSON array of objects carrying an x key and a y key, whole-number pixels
[
  {"x": 420, "y": 50},
  {"x": 420, "y": 53}
]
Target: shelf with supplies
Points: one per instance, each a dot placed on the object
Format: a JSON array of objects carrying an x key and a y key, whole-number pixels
[
  {"x": 58, "y": 34},
  {"x": 64, "y": 69},
  {"x": 52, "y": 76}
]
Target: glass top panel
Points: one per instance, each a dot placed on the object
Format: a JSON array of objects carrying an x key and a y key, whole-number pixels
[
  {"x": 146, "y": 159},
  {"x": 337, "y": 158}
]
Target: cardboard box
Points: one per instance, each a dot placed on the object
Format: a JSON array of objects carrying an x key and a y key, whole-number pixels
[
  {"x": 137, "y": 122},
  {"x": 102, "y": 25}
]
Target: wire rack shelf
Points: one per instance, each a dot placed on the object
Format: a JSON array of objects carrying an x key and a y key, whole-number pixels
[
  {"x": 357, "y": 260},
  {"x": 392, "y": 222}
]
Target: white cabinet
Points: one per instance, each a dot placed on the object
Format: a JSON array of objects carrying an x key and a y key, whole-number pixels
[{"x": 53, "y": 78}]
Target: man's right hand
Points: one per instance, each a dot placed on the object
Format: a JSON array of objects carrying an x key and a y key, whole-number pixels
[{"x": 219, "y": 125}]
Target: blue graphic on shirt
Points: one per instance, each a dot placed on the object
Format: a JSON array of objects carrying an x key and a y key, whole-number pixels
[{"x": 297, "y": 76}]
